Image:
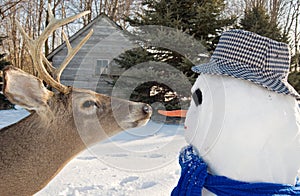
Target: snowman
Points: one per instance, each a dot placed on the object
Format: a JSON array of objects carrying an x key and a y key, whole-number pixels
[{"x": 243, "y": 124}]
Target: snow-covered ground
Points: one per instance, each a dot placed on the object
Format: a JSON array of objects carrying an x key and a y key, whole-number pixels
[{"x": 142, "y": 161}]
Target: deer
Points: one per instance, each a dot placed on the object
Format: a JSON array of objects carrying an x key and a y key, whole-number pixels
[{"x": 63, "y": 121}]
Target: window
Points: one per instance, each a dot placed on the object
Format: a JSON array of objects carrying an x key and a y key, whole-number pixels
[{"x": 101, "y": 67}]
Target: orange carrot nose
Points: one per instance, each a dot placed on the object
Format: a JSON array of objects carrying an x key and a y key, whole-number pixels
[{"x": 173, "y": 113}]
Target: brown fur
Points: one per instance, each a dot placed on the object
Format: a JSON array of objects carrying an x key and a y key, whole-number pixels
[{"x": 35, "y": 149}]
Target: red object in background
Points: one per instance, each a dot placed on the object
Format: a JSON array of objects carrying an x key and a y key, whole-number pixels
[{"x": 173, "y": 113}]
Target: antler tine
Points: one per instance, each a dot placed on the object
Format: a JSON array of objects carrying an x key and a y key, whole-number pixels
[
  {"x": 56, "y": 23},
  {"x": 49, "y": 65},
  {"x": 71, "y": 53},
  {"x": 36, "y": 48},
  {"x": 31, "y": 44}
]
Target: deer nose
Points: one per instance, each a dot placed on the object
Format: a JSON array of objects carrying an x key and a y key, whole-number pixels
[{"x": 147, "y": 109}]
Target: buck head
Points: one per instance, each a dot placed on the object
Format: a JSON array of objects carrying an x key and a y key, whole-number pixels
[
  {"x": 85, "y": 110},
  {"x": 93, "y": 115}
]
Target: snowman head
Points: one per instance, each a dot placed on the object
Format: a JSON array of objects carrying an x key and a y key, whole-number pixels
[
  {"x": 248, "y": 56},
  {"x": 246, "y": 126}
]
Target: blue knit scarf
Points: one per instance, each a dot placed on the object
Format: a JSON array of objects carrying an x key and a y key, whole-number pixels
[{"x": 194, "y": 177}]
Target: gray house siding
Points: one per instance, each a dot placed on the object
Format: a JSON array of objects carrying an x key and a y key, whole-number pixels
[{"x": 107, "y": 42}]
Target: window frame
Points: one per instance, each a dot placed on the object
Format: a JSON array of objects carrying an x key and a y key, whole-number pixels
[{"x": 101, "y": 69}]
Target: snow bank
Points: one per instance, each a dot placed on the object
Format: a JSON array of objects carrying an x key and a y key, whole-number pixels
[{"x": 141, "y": 161}]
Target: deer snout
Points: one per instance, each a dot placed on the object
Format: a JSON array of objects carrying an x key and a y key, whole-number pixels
[
  {"x": 139, "y": 114},
  {"x": 147, "y": 109},
  {"x": 140, "y": 110}
]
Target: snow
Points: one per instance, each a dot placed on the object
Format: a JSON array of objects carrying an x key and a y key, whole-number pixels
[
  {"x": 8, "y": 117},
  {"x": 141, "y": 161}
]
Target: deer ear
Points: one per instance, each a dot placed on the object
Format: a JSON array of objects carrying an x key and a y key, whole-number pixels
[{"x": 25, "y": 90}]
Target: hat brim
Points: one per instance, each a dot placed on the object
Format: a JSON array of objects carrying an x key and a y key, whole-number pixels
[{"x": 246, "y": 72}]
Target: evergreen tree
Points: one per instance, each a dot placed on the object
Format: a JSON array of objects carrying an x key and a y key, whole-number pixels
[
  {"x": 199, "y": 18},
  {"x": 295, "y": 61},
  {"x": 257, "y": 20},
  {"x": 191, "y": 23},
  {"x": 294, "y": 80}
]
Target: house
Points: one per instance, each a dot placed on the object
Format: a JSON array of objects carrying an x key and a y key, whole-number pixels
[{"x": 93, "y": 67}]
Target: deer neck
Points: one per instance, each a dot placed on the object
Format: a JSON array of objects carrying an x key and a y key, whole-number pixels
[{"x": 36, "y": 151}]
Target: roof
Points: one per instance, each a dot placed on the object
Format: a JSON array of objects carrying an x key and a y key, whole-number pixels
[{"x": 84, "y": 29}]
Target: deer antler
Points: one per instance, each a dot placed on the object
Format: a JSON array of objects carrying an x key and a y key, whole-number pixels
[
  {"x": 71, "y": 53},
  {"x": 36, "y": 48}
]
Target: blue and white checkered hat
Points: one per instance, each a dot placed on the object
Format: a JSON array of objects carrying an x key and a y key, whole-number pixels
[{"x": 246, "y": 55}]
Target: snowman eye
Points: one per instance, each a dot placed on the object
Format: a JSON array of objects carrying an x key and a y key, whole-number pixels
[{"x": 197, "y": 97}]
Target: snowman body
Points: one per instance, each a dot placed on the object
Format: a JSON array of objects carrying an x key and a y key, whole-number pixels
[{"x": 244, "y": 131}]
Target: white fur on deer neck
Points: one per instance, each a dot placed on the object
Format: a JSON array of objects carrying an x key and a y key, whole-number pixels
[{"x": 244, "y": 131}]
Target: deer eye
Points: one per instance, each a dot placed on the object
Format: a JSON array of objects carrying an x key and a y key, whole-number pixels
[{"x": 89, "y": 103}]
